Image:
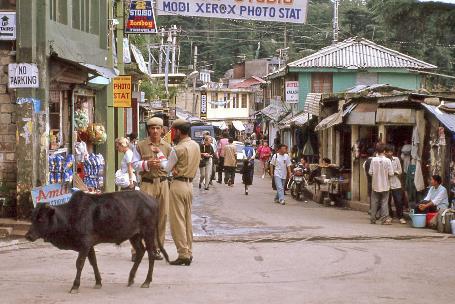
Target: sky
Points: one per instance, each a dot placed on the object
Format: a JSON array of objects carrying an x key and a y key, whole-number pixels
[{"x": 445, "y": 1}]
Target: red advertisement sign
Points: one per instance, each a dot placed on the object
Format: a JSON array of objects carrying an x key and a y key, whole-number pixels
[{"x": 141, "y": 18}]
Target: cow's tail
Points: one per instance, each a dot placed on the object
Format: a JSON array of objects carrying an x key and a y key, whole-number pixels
[{"x": 158, "y": 241}]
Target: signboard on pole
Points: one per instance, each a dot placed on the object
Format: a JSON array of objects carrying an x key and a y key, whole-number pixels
[
  {"x": 141, "y": 18},
  {"x": 122, "y": 91},
  {"x": 292, "y": 91},
  {"x": 290, "y": 11},
  {"x": 53, "y": 194},
  {"x": 7, "y": 25},
  {"x": 203, "y": 106},
  {"x": 23, "y": 75}
]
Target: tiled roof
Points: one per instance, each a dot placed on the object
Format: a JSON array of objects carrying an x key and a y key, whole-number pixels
[
  {"x": 359, "y": 53},
  {"x": 247, "y": 83}
]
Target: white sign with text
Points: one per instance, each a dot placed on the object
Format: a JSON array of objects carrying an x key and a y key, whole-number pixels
[
  {"x": 23, "y": 75},
  {"x": 290, "y": 11},
  {"x": 292, "y": 91}
]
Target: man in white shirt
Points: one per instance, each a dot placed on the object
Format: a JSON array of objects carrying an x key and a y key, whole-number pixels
[
  {"x": 280, "y": 164},
  {"x": 436, "y": 198},
  {"x": 380, "y": 170},
  {"x": 395, "y": 183}
]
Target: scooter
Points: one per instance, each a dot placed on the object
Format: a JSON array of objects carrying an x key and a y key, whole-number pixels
[{"x": 297, "y": 183}]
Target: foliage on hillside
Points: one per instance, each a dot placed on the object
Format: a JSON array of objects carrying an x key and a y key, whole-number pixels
[{"x": 425, "y": 30}]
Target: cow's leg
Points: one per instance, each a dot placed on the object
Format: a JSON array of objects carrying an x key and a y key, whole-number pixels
[
  {"x": 136, "y": 242},
  {"x": 149, "y": 239},
  {"x": 92, "y": 259},
  {"x": 79, "y": 265}
]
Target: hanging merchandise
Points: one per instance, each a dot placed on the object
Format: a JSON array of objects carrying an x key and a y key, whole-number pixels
[
  {"x": 81, "y": 120},
  {"x": 61, "y": 168},
  {"x": 442, "y": 136},
  {"x": 94, "y": 171},
  {"x": 96, "y": 133}
]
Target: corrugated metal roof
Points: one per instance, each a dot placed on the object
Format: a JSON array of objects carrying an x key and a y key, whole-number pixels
[
  {"x": 330, "y": 121},
  {"x": 358, "y": 53},
  {"x": 447, "y": 119}
]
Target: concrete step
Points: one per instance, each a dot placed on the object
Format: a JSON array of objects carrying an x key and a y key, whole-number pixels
[
  {"x": 5, "y": 231},
  {"x": 19, "y": 228}
]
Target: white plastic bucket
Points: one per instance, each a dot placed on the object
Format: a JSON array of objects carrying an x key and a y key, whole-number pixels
[{"x": 452, "y": 223}]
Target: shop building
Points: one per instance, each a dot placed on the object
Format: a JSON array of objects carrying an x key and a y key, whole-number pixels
[{"x": 68, "y": 44}]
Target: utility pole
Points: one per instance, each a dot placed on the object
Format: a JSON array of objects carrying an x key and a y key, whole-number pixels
[
  {"x": 285, "y": 36},
  {"x": 336, "y": 27},
  {"x": 174, "y": 47},
  {"x": 160, "y": 55},
  {"x": 194, "y": 80}
]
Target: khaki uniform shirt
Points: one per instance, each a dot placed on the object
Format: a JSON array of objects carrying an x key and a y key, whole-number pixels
[
  {"x": 144, "y": 149},
  {"x": 188, "y": 158},
  {"x": 230, "y": 156}
]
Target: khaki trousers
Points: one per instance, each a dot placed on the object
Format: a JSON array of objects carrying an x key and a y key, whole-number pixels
[
  {"x": 180, "y": 217},
  {"x": 160, "y": 191}
]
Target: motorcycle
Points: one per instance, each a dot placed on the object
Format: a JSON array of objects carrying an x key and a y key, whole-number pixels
[{"x": 297, "y": 183}]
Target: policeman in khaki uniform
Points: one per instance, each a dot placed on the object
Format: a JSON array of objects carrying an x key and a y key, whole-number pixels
[
  {"x": 154, "y": 178},
  {"x": 183, "y": 162}
]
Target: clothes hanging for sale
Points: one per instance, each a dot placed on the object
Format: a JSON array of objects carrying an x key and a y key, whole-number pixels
[{"x": 410, "y": 186}]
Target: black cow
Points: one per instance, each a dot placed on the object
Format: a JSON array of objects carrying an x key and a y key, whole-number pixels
[{"x": 88, "y": 219}]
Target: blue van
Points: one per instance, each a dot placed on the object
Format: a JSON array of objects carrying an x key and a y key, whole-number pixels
[{"x": 197, "y": 132}]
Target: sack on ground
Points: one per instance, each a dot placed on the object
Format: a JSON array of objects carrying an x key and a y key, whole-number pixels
[
  {"x": 122, "y": 179},
  {"x": 444, "y": 218}
]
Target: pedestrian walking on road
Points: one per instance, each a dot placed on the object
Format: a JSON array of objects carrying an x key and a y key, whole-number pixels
[
  {"x": 122, "y": 145},
  {"x": 206, "y": 163},
  {"x": 264, "y": 152},
  {"x": 230, "y": 162},
  {"x": 395, "y": 184},
  {"x": 281, "y": 170},
  {"x": 183, "y": 162},
  {"x": 222, "y": 143},
  {"x": 154, "y": 180},
  {"x": 380, "y": 170},
  {"x": 248, "y": 165}
]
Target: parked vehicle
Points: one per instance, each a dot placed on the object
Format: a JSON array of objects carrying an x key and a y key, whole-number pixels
[
  {"x": 297, "y": 182},
  {"x": 197, "y": 132}
]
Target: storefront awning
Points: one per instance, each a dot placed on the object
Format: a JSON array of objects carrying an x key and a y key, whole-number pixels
[
  {"x": 274, "y": 112},
  {"x": 102, "y": 71},
  {"x": 299, "y": 120},
  {"x": 312, "y": 103},
  {"x": 330, "y": 121},
  {"x": 447, "y": 119},
  {"x": 219, "y": 124},
  {"x": 238, "y": 125}
]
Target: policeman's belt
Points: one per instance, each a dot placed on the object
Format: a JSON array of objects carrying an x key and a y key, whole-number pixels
[
  {"x": 183, "y": 179},
  {"x": 154, "y": 180}
]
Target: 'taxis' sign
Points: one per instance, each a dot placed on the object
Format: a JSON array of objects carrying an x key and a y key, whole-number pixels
[{"x": 23, "y": 75}]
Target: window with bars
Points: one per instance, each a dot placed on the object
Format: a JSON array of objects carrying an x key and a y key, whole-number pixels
[
  {"x": 59, "y": 11},
  {"x": 86, "y": 15},
  {"x": 321, "y": 82},
  {"x": 214, "y": 99},
  {"x": 244, "y": 101}
]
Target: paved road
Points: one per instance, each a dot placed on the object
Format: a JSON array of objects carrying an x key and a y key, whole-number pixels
[{"x": 250, "y": 250}]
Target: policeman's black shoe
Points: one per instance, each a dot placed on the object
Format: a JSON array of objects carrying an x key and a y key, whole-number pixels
[
  {"x": 199, "y": 185},
  {"x": 157, "y": 255},
  {"x": 181, "y": 261}
]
